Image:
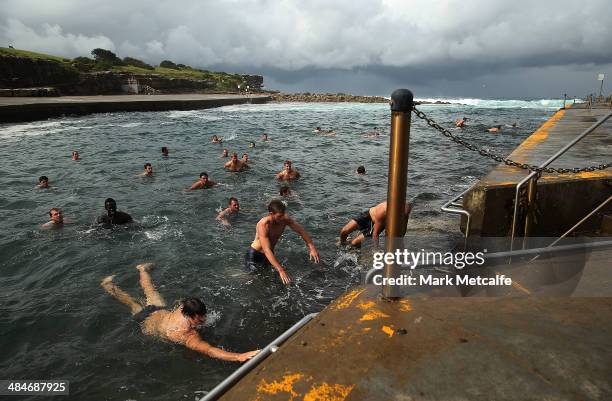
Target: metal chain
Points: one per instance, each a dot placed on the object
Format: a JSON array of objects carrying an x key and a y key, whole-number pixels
[{"x": 500, "y": 159}]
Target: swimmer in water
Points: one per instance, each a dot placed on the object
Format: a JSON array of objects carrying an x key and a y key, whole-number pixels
[
  {"x": 268, "y": 232},
  {"x": 113, "y": 216},
  {"x": 148, "y": 171},
  {"x": 317, "y": 130},
  {"x": 75, "y": 155},
  {"x": 233, "y": 207},
  {"x": 495, "y": 129},
  {"x": 284, "y": 191},
  {"x": 461, "y": 122},
  {"x": 224, "y": 154},
  {"x": 234, "y": 164},
  {"x": 264, "y": 138},
  {"x": 203, "y": 182},
  {"x": 178, "y": 325},
  {"x": 288, "y": 173},
  {"x": 245, "y": 159},
  {"x": 57, "y": 219},
  {"x": 251, "y": 144},
  {"x": 43, "y": 182},
  {"x": 164, "y": 151},
  {"x": 361, "y": 170},
  {"x": 216, "y": 139},
  {"x": 371, "y": 223}
]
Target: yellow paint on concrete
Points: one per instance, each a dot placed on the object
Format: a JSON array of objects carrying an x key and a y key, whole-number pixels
[
  {"x": 366, "y": 329},
  {"x": 388, "y": 330},
  {"x": 405, "y": 305},
  {"x": 346, "y": 300},
  {"x": 366, "y": 305},
  {"x": 539, "y": 136},
  {"x": 326, "y": 392},
  {"x": 372, "y": 315},
  {"x": 283, "y": 386}
]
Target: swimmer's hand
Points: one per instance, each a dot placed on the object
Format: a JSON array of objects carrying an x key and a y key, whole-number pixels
[
  {"x": 247, "y": 355},
  {"x": 314, "y": 254},
  {"x": 284, "y": 276}
]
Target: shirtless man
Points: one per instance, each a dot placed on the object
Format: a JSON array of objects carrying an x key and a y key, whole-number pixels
[
  {"x": 203, "y": 182},
  {"x": 234, "y": 164},
  {"x": 224, "y": 154},
  {"x": 245, "y": 159},
  {"x": 216, "y": 139},
  {"x": 495, "y": 129},
  {"x": 148, "y": 171},
  {"x": 164, "y": 151},
  {"x": 288, "y": 173},
  {"x": 251, "y": 144},
  {"x": 268, "y": 232},
  {"x": 75, "y": 155},
  {"x": 57, "y": 220},
  {"x": 370, "y": 222},
  {"x": 264, "y": 137},
  {"x": 178, "y": 325},
  {"x": 43, "y": 182},
  {"x": 113, "y": 216},
  {"x": 461, "y": 122},
  {"x": 233, "y": 207}
]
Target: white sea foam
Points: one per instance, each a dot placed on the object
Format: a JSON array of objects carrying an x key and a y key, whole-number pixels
[{"x": 498, "y": 104}]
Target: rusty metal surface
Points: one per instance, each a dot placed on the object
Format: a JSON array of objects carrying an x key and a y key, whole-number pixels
[{"x": 420, "y": 348}]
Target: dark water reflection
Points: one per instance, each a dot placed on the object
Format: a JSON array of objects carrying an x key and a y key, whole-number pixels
[{"x": 55, "y": 320}]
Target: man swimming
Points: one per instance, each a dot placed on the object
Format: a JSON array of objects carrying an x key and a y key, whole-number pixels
[
  {"x": 251, "y": 144},
  {"x": 264, "y": 137},
  {"x": 203, "y": 182},
  {"x": 245, "y": 159},
  {"x": 495, "y": 129},
  {"x": 288, "y": 173},
  {"x": 284, "y": 191},
  {"x": 43, "y": 182},
  {"x": 224, "y": 154},
  {"x": 57, "y": 219},
  {"x": 178, "y": 325},
  {"x": 461, "y": 122},
  {"x": 164, "y": 151},
  {"x": 113, "y": 216},
  {"x": 361, "y": 170},
  {"x": 75, "y": 155},
  {"x": 233, "y": 207},
  {"x": 148, "y": 171},
  {"x": 234, "y": 164},
  {"x": 370, "y": 222},
  {"x": 216, "y": 139},
  {"x": 268, "y": 232}
]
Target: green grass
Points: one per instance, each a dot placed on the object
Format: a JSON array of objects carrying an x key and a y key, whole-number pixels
[{"x": 34, "y": 55}]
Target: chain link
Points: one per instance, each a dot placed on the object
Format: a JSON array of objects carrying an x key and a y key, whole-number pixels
[{"x": 500, "y": 159}]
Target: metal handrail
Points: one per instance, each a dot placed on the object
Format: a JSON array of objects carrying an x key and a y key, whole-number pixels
[
  {"x": 545, "y": 164},
  {"x": 229, "y": 381},
  {"x": 455, "y": 210}
]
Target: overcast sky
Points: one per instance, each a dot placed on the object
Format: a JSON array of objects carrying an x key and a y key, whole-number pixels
[{"x": 459, "y": 48}]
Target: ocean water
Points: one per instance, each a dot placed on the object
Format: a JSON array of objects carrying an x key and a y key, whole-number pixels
[{"x": 57, "y": 323}]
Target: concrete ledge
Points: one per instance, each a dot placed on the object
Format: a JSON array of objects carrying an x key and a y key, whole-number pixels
[{"x": 31, "y": 109}]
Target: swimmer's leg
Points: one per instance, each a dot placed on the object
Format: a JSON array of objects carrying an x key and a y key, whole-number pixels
[
  {"x": 120, "y": 295},
  {"x": 153, "y": 297},
  {"x": 347, "y": 229}
]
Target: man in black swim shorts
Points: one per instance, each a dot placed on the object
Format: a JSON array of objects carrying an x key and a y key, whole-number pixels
[{"x": 371, "y": 223}]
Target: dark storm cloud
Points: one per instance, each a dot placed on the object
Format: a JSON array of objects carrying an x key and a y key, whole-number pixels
[{"x": 348, "y": 42}]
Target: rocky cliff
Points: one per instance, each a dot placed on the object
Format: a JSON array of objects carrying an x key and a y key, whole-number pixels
[{"x": 326, "y": 97}]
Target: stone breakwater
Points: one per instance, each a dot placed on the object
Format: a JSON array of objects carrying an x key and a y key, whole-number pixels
[{"x": 335, "y": 98}]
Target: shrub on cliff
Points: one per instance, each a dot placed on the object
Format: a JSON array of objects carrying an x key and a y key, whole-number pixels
[
  {"x": 137, "y": 63},
  {"x": 169, "y": 64},
  {"x": 83, "y": 64},
  {"x": 106, "y": 57}
]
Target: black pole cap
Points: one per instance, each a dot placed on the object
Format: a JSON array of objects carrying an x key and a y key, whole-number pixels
[{"x": 402, "y": 100}]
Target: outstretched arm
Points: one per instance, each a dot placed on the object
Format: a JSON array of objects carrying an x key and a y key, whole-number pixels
[
  {"x": 221, "y": 216},
  {"x": 262, "y": 234},
  {"x": 295, "y": 226},
  {"x": 195, "y": 343}
]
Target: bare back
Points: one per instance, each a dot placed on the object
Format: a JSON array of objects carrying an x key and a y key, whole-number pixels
[
  {"x": 169, "y": 325},
  {"x": 271, "y": 229}
]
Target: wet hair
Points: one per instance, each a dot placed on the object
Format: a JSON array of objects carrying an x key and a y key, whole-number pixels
[
  {"x": 43, "y": 178},
  {"x": 52, "y": 209},
  {"x": 252, "y": 144},
  {"x": 360, "y": 170},
  {"x": 234, "y": 154},
  {"x": 287, "y": 162},
  {"x": 193, "y": 307},
  {"x": 276, "y": 206},
  {"x": 284, "y": 191},
  {"x": 203, "y": 174},
  {"x": 231, "y": 199},
  {"x": 164, "y": 149},
  {"x": 110, "y": 203},
  {"x": 245, "y": 154},
  {"x": 147, "y": 164}
]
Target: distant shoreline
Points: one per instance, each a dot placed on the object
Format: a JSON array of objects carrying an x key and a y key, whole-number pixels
[{"x": 307, "y": 97}]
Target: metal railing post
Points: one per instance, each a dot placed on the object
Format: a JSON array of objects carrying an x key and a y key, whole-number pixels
[
  {"x": 532, "y": 189},
  {"x": 401, "y": 108}
]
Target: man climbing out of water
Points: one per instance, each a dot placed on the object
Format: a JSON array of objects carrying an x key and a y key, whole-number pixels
[
  {"x": 148, "y": 171},
  {"x": 178, "y": 325},
  {"x": 203, "y": 182},
  {"x": 113, "y": 216},
  {"x": 461, "y": 122},
  {"x": 288, "y": 173},
  {"x": 233, "y": 207},
  {"x": 371, "y": 223},
  {"x": 268, "y": 232},
  {"x": 57, "y": 219},
  {"x": 234, "y": 164}
]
